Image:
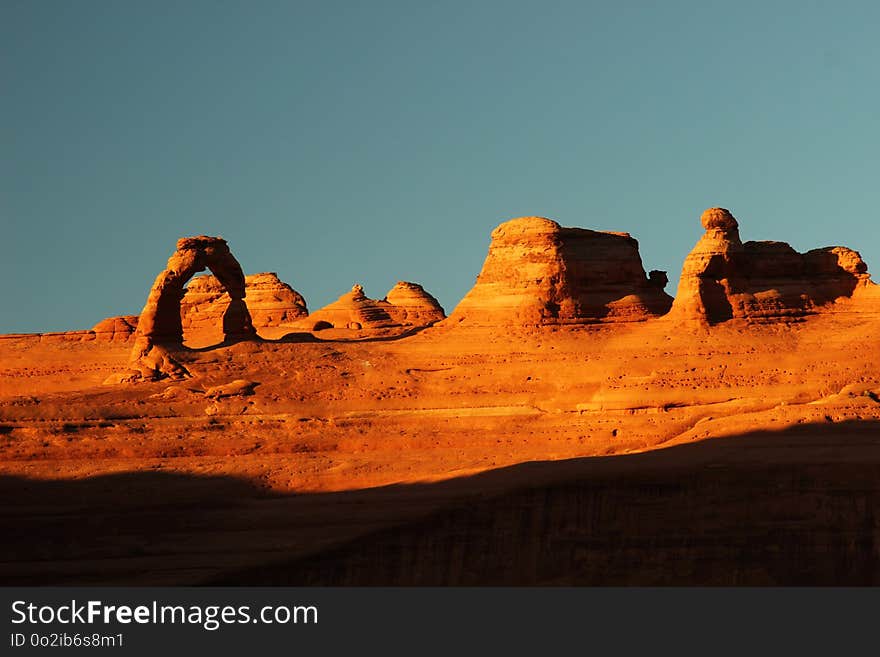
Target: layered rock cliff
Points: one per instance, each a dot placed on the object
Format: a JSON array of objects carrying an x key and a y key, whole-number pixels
[
  {"x": 724, "y": 278},
  {"x": 537, "y": 272}
]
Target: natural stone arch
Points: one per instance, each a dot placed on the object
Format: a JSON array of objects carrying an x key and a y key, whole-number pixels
[{"x": 159, "y": 327}]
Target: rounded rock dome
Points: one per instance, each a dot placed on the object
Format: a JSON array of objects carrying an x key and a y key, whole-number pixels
[{"x": 718, "y": 218}]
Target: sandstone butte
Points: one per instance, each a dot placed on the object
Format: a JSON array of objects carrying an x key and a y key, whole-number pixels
[{"x": 568, "y": 423}]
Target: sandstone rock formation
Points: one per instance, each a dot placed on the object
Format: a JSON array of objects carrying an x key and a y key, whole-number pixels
[
  {"x": 406, "y": 304},
  {"x": 538, "y": 272},
  {"x": 270, "y": 301},
  {"x": 353, "y": 310},
  {"x": 159, "y": 325},
  {"x": 111, "y": 329},
  {"x": 724, "y": 278},
  {"x": 641, "y": 453},
  {"x": 116, "y": 329}
]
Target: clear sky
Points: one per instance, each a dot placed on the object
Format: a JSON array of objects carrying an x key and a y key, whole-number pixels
[{"x": 341, "y": 142}]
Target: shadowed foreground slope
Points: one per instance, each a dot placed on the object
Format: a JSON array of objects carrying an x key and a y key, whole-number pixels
[{"x": 794, "y": 507}]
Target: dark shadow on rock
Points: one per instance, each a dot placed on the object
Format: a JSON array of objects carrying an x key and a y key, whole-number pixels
[
  {"x": 793, "y": 507},
  {"x": 415, "y": 330},
  {"x": 299, "y": 337},
  {"x": 85, "y": 526},
  {"x": 309, "y": 337},
  {"x": 595, "y": 285},
  {"x": 787, "y": 508},
  {"x": 718, "y": 308},
  {"x": 228, "y": 342},
  {"x": 779, "y": 281}
]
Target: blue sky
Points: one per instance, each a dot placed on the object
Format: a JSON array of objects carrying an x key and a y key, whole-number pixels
[{"x": 341, "y": 142}]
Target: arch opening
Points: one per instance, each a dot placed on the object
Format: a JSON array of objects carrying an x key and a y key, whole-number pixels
[{"x": 160, "y": 327}]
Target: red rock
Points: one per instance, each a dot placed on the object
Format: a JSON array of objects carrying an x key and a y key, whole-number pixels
[
  {"x": 353, "y": 307},
  {"x": 537, "y": 272},
  {"x": 116, "y": 329},
  {"x": 724, "y": 278},
  {"x": 407, "y": 304},
  {"x": 159, "y": 325},
  {"x": 270, "y": 301}
]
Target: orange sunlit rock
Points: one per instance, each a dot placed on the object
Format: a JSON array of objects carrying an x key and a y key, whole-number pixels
[
  {"x": 716, "y": 442},
  {"x": 538, "y": 272},
  {"x": 723, "y": 277}
]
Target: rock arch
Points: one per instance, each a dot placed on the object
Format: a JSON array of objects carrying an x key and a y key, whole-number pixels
[{"x": 160, "y": 328}]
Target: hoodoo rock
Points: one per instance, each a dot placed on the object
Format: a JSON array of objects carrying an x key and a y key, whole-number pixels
[
  {"x": 270, "y": 301},
  {"x": 724, "y": 278},
  {"x": 353, "y": 309},
  {"x": 160, "y": 329},
  {"x": 407, "y": 304},
  {"x": 538, "y": 272}
]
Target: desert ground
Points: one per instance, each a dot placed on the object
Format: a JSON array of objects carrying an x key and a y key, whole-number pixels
[{"x": 649, "y": 441}]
